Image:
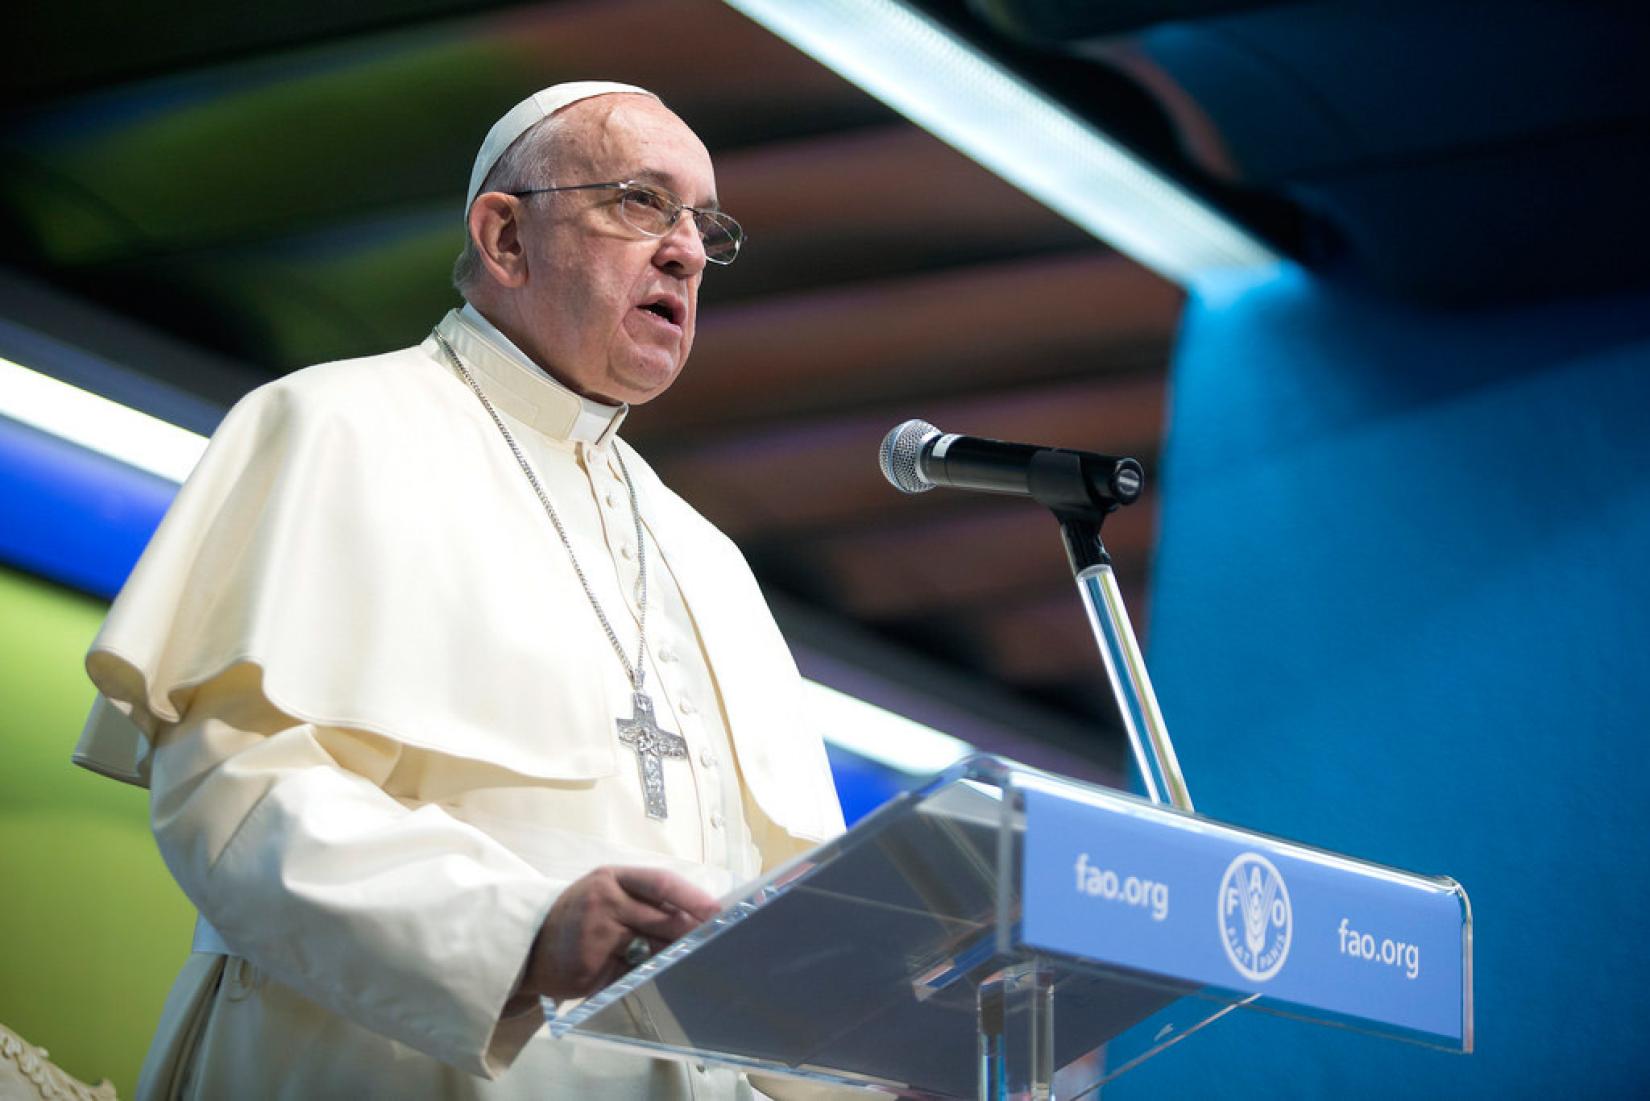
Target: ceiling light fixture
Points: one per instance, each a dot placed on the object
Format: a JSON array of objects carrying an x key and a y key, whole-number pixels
[{"x": 962, "y": 97}]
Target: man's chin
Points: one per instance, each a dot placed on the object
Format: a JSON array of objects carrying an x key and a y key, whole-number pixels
[{"x": 645, "y": 380}]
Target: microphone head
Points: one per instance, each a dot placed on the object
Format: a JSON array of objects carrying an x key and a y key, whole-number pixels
[{"x": 901, "y": 453}]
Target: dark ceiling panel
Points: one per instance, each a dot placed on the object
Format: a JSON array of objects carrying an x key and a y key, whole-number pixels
[
  {"x": 898, "y": 200},
  {"x": 966, "y": 559},
  {"x": 949, "y": 332},
  {"x": 356, "y": 287},
  {"x": 1446, "y": 153},
  {"x": 365, "y": 281},
  {"x": 1061, "y": 21},
  {"x": 1335, "y": 89},
  {"x": 299, "y": 140},
  {"x": 77, "y": 45}
]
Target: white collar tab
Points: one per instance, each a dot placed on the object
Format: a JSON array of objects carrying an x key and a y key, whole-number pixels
[{"x": 523, "y": 389}]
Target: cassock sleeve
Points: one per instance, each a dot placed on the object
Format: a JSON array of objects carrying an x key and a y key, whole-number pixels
[{"x": 403, "y": 920}]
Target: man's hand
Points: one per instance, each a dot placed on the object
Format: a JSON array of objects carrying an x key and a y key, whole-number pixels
[{"x": 580, "y": 948}]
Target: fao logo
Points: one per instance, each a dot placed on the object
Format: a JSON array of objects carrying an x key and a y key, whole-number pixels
[{"x": 1255, "y": 917}]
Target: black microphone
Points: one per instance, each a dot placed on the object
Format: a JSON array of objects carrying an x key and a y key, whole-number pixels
[{"x": 915, "y": 457}]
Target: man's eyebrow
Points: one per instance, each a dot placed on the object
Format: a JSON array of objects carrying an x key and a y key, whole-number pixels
[{"x": 652, "y": 176}]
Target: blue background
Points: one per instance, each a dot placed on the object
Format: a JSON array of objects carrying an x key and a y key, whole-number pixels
[{"x": 1401, "y": 610}]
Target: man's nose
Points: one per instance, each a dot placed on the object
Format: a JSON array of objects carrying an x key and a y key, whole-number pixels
[{"x": 682, "y": 247}]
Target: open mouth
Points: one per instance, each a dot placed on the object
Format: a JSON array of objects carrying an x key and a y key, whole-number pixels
[{"x": 664, "y": 308}]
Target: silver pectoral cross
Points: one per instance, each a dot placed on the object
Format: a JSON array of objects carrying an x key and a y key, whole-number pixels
[{"x": 652, "y": 745}]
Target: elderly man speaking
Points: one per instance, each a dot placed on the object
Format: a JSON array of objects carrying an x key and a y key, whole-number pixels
[{"x": 445, "y": 702}]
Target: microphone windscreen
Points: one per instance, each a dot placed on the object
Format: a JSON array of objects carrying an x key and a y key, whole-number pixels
[{"x": 901, "y": 453}]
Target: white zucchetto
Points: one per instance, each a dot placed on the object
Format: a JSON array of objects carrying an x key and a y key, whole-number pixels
[{"x": 520, "y": 118}]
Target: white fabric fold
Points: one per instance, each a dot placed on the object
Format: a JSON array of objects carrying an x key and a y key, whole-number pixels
[{"x": 297, "y": 547}]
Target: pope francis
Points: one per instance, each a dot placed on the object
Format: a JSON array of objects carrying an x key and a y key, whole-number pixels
[{"x": 444, "y": 701}]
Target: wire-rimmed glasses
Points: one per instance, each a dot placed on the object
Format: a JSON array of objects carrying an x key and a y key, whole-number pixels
[{"x": 650, "y": 210}]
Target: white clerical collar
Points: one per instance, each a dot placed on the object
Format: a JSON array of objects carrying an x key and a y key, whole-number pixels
[{"x": 525, "y": 390}]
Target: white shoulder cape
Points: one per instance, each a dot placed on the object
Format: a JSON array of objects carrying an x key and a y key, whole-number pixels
[{"x": 358, "y": 532}]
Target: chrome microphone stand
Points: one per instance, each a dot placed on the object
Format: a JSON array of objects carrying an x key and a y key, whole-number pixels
[
  {"x": 1125, "y": 667},
  {"x": 1081, "y": 489}
]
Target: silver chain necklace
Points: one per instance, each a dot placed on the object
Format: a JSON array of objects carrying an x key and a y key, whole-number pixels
[{"x": 641, "y": 731}]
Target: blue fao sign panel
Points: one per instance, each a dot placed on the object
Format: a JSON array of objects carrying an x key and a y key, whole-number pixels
[{"x": 1122, "y": 882}]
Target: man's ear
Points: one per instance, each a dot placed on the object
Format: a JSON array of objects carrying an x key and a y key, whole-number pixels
[{"x": 495, "y": 227}]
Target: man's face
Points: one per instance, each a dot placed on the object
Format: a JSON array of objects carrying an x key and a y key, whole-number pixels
[{"x": 596, "y": 287}]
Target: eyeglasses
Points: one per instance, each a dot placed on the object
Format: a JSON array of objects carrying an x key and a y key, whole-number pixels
[{"x": 653, "y": 212}]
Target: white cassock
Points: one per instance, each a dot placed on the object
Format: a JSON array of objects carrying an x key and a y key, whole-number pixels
[{"x": 377, "y": 716}]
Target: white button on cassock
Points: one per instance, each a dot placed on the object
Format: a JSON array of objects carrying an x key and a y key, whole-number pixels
[
  {"x": 716, "y": 819},
  {"x": 687, "y": 706},
  {"x": 707, "y": 757}
]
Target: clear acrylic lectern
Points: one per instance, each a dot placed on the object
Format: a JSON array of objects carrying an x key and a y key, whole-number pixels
[{"x": 1005, "y": 933}]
